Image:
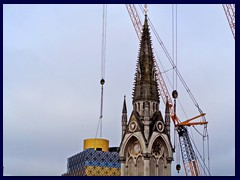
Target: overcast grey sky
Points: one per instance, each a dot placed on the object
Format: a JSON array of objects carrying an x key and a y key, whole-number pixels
[{"x": 51, "y": 74}]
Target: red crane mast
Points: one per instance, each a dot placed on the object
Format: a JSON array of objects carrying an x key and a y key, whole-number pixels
[{"x": 229, "y": 10}]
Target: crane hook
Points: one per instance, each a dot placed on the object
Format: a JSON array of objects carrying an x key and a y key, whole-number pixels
[
  {"x": 178, "y": 167},
  {"x": 102, "y": 81}
]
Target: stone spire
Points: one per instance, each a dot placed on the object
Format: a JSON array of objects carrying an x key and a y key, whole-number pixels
[
  {"x": 145, "y": 85},
  {"x": 124, "y": 117},
  {"x": 144, "y": 135},
  {"x": 124, "y": 109}
]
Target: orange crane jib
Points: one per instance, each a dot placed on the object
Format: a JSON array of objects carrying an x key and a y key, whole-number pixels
[{"x": 188, "y": 123}]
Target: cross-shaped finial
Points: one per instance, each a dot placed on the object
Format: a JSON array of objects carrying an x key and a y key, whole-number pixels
[{"x": 145, "y": 9}]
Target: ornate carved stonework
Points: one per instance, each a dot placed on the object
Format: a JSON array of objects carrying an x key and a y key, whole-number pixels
[
  {"x": 135, "y": 149},
  {"x": 157, "y": 149},
  {"x": 160, "y": 126},
  {"x": 146, "y": 155},
  {"x": 132, "y": 126}
]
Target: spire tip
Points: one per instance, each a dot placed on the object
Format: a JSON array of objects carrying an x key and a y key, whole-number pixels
[{"x": 145, "y": 9}]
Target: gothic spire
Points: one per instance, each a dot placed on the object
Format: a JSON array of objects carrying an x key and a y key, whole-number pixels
[
  {"x": 145, "y": 85},
  {"x": 124, "y": 109},
  {"x": 124, "y": 117}
]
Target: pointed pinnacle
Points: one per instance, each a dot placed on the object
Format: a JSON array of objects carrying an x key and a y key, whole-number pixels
[{"x": 124, "y": 109}]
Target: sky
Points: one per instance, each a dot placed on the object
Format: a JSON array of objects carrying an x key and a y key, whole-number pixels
[{"x": 52, "y": 69}]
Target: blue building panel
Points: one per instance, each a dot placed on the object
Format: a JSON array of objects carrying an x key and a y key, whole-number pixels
[{"x": 91, "y": 158}]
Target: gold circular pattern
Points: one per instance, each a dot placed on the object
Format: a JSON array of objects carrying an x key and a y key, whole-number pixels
[{"x": 135, "y": 149}]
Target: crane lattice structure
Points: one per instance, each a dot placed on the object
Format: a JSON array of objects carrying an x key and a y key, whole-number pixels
[{"x": 229, "y": 10}]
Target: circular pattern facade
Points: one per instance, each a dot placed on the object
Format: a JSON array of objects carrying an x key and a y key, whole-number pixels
[
  {"x": 160, "y": 126},
  {"x": 132, "y": 126}
]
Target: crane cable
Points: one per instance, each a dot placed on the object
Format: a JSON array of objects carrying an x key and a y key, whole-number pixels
[
  {"x": 174, "y": 55},
  {"x": 103, "y": 58}
]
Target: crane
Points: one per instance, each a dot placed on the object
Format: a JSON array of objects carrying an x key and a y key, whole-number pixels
[
  {"x": 188, "y": 155},
  {"x": 229, "y": 10}
]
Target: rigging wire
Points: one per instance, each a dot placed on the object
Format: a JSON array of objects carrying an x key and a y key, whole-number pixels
[
  {"x": 104, "y": 30},
  {"x": 174, "y": 56},
  {"x": 103, "y": 59},
  {"x": 173, "y": 45},
  {"x": 208, "y": 154},
  {"x": 176, "y": 43},
  {"x": 171, "y": 85}
]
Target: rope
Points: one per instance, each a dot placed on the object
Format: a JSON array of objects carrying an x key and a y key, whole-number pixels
[
  {"x": 208, "y": 153},
  {"x": 104, "y": 30},
  {"x": 173, "y": 45},
  {"x": 176, "y": 45},
  {"x": 103, "y": 59}
]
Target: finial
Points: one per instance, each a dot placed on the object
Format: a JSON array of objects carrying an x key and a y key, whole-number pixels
[
  {"x": 145, "y": 9},
  {"x": 124, "y": 110}
]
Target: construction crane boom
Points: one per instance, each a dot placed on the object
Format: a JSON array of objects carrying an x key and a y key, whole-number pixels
[
  {"x": 188, "y": 155},
  {"x": 135, "y": 19},
  {"x": 229, "y": 10}
]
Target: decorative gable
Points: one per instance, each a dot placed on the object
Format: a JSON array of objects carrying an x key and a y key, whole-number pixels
[{"x": 133, "y": 125}]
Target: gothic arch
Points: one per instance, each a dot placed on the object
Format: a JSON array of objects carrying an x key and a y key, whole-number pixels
[
  {"x": 127, "y": 141},
  {"x": 133, "y": 149},
  {"x": 161, "y": 153},
  {"x": 165, "y": 140}
]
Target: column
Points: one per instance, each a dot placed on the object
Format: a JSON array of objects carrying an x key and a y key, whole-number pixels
[
  {"x": 122, "y": 161},
  {"x": 168, "y": 166},
  {"x": 146, "y": 160}
]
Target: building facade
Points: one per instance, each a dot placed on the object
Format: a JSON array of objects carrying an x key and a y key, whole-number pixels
[
  {"x": 97, "y": 159},
  {"x": 145, "y": 148}
]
